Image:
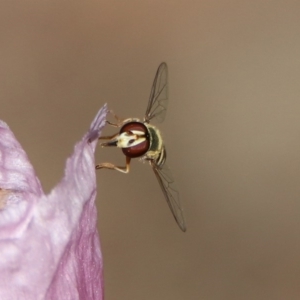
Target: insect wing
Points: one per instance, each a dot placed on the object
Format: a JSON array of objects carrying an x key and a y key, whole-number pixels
[
  {"x": 158, "y": 100},
  {"x": 166, "y": 183}
]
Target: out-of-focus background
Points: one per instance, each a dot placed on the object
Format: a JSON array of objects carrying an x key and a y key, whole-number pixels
[{"x": 232, "y": 134}]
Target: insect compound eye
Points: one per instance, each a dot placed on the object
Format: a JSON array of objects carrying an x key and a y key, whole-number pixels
[{"x": 140, "y": 143}]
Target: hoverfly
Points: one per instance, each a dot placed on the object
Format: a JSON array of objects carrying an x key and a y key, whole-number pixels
[{"x": 140, "y": 139}]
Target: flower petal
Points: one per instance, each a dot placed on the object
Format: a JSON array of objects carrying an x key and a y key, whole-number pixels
[{"x": 49, "y": 244}]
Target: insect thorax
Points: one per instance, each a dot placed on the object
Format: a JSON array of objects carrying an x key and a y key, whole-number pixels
[
  {"x": 155, "y": 138},
  {"x": 156, "y": 144}
]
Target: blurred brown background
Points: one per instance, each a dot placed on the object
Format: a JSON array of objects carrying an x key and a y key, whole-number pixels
[{"x": 232, "y": 132}]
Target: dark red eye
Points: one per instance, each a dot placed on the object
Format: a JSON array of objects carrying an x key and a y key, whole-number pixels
[{"x": 140, "y": 149}]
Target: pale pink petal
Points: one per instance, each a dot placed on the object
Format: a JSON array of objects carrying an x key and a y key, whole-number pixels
[{"x": 49, "y": 245}]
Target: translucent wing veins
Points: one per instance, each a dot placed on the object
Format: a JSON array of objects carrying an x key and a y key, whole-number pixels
[
  {"x": 158, "y": 100},
  {"x": 166, "y": 183}
]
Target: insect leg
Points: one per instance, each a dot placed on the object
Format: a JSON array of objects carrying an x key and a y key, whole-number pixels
[
  {"x": 120, "y": 122},
  {"x": 118, "y": 119},
  {"x": 114, "y": 167},
  {"x": 108, "y": 137}
]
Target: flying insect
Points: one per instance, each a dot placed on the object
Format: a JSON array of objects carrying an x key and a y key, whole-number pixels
[{"x": 140, "y": 139}]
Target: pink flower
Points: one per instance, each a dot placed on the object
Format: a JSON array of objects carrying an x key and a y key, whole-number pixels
[{"x": 49, "y": 244}]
